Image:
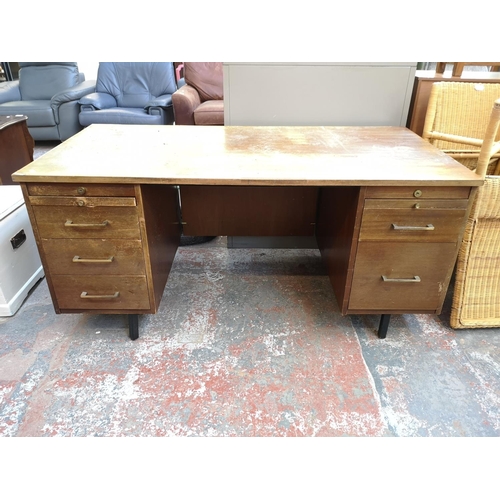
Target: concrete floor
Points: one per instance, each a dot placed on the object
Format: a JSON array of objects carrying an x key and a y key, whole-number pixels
[{"x": 247, "y": 342}]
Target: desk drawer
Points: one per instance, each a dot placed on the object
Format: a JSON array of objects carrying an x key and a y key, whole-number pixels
[
  {"x": 85, "y": 222},
  {"x": 401, "y": 276},
  {"x": 418, "y": 193},
  {"x": 80, "y": 190},
  {"x": 101, "y": 292},
  {"x": 84, "y": 201},
  {"x": 94, "y": 256},
  {"x": 422, "y": 221}
]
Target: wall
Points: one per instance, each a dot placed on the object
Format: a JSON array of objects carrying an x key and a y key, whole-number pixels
[{"x": 90, "y": 69}]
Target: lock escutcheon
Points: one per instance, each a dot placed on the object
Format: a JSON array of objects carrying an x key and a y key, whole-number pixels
[
  {"x": 81, "y": 190},
  {"x": 417, "y": 193}
]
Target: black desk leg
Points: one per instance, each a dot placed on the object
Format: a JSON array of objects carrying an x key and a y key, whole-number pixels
[
  {"x": 383, "y": 326},
  {"x": 133, "y": 326}
]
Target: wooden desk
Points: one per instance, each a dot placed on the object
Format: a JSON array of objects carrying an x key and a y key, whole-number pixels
[
  {"x": 387, "y": 209},
  {"x": 16, "y": 146}
]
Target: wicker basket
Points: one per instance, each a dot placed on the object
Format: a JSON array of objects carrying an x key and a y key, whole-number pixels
[
  {"x": 476, "y": 297},
  {"x": 460, "y": 121}
]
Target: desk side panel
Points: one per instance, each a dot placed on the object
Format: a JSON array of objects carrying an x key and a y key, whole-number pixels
[
  {"x": 162, "y": 234},
  {"x": 337, "y": 229},
  {"x": 38, "y": 239}
]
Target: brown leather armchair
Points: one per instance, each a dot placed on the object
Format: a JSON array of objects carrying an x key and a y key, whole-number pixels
[{"x": 201, "y": 100}]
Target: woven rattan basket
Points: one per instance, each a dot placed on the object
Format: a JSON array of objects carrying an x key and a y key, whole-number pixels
[
  {"x": 461, "y": 122},
  {"x": 476, "y": 297}
]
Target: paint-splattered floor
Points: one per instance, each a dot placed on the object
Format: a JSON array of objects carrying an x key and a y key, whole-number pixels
[{"x": 247, "y": 342}]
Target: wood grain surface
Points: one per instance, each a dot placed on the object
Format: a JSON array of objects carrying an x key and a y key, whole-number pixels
[{"x": 238, "y": 155}]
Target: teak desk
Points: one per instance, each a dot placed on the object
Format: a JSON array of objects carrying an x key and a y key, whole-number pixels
[{"x": 387, "y": 208}]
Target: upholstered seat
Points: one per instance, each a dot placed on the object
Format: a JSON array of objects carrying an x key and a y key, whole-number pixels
[{"x": 131, "y": 93}]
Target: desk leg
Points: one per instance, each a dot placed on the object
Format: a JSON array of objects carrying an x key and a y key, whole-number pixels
[
  {"x": 133, "y": 326},
  {"x": 383, "y": 326}
]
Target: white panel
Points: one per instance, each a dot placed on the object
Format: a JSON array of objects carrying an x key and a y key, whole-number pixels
[
  {"x": 317, "y": 94},
  {"x": 20, "y": 268}
]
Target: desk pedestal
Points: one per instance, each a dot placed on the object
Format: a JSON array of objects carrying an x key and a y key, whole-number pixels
[{"x": 109, "y": 248}]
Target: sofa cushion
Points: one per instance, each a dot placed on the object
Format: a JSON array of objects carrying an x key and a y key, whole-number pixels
[
  {"x": 39, "y": 113},
  {"x": 43, "y": 82},
  {"x": 206, "y": 78},
  {"x": 123, "y": 116},
  {"x": 209, "y": 113}
]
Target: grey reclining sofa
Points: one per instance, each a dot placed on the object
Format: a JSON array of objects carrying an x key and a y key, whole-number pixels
[{"x": 47, "y": 93}]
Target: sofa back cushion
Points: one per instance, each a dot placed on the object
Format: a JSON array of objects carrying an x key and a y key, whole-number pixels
[
  {"x": 41, "y": 81},
  {"x": 206, "y": 78},
  {"x": 133, "y": 84}
]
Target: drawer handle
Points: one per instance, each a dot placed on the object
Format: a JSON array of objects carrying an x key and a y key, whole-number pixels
[
  {"x": 77, "y": 258},
  {"x": 429, "y": 227},
  {"x": 415, "y": 279},
  {"x": 85, "y": 295},
  {"x": 69, "y": 223}
]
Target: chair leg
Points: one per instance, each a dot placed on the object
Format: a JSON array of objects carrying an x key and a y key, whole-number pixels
[{"x": 440, "y": 67}]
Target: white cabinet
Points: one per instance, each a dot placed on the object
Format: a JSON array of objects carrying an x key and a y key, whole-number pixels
[
  {"x": 20, "y": 266},
  {"x": 317, "y": 93}
]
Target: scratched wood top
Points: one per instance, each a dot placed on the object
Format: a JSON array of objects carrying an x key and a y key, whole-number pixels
[{"x": 240, "y": 155}]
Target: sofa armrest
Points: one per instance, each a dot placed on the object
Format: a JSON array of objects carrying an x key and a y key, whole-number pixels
[
  {"x": 159, "y": 105},
  {"x": 72, "y": 94},
  {"x": 9, "y": 91},
  {"x": 97, "y": 100},
  {"x": 162, "y": 101},
  {"x": 185, "y": 101}
]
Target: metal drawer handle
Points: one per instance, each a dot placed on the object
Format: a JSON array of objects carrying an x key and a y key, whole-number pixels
[
  {"x": 415, "y": 279},
  {"x": 77, "y": 258},
  {"x": 85, "y": 295},
  {"x": 69, "y": 223},
  {"x": 429, "y": 227}
]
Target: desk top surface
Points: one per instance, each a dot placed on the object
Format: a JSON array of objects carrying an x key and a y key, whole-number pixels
[{"x": 241, "y": 155}]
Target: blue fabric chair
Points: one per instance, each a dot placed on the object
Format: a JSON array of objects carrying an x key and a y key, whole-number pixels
[
  {"x": 131, "y": 93},
  {"x": 47, "y": 93}
]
